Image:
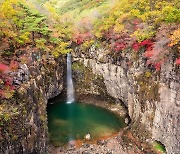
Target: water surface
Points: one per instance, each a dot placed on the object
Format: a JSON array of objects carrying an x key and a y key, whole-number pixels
[{"x": 68, "y": 122}]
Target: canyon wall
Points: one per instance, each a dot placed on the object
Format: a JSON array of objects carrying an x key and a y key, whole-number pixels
[
  {"x": 23, "y": 123},
  {"x": 152, "y": 97}
]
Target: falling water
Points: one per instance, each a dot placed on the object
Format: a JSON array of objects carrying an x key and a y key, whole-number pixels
[{"x": 70, "y": 88}]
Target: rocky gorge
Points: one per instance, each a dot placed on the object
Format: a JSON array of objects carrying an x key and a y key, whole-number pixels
[
  {"x": 112, "y": 65},
  {"x": 151, "y": 99}
]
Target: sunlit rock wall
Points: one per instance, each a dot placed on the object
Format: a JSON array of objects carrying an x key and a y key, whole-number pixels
[
  {"x": 152, "y": 98},
  {"x": 23, "y": 123}
]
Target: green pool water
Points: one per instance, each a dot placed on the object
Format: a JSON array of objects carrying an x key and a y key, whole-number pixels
[{"x": 68, "y": 122}]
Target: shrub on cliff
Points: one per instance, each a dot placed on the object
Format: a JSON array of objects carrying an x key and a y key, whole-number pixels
[{"x": 6, "y": 81}]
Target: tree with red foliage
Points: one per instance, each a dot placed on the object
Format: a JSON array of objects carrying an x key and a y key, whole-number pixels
[
  {"x": 136, "y": 46},
  {"x": 119, "y": 47},
  {"x": 4, "y": 68},
  {"x": 82, "y": 37},
  {"x": 177, "y": 62},
  {"x": 157, "y": 65},
  {"x": 6, "y": 82},
  {"x": 148, "y": 44}
]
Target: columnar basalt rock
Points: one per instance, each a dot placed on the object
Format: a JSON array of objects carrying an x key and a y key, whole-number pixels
[
  {"x": 152, "y": 97},
  {"x": 25, "y": 130}
]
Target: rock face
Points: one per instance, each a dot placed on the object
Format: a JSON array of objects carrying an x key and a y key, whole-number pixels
[
  {"x": 152, "y": 98},
  {"x": 23, "y": 123}
]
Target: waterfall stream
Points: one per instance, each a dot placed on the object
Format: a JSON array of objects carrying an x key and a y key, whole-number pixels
[{"x": 70, "y": 87}]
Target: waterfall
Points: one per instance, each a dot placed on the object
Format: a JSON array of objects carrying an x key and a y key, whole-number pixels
[{"x": 70, "y": 87}]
